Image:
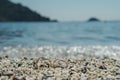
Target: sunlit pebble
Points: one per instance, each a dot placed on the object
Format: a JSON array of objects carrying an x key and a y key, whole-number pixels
[
  {"x": 51, "y": 78},
  {"x": 3, "y": 78},
  {"x": 21, "y": 78},
  {"x": 30, "y": 78}
]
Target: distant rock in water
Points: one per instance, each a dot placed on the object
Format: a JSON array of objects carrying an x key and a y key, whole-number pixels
[
  {"x": 16, "y": 12},
  {"x": 93, "y": 19}
]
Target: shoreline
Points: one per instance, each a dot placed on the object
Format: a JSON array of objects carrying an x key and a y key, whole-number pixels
[{"x": 59, "y": 69}]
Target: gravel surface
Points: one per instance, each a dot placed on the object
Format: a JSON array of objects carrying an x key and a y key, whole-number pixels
[{"x": 59, "y": 69}]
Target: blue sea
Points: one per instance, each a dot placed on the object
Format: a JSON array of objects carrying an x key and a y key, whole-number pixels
[{"x": 74, "y": 40}]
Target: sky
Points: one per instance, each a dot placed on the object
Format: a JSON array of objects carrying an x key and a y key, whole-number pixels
[{"x": 75, "y": 10}]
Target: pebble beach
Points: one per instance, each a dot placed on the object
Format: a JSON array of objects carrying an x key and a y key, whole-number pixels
[{"x": 59, "y": 69}]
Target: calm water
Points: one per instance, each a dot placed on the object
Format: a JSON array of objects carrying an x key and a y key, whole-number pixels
[{"x": 63, "y": 39}]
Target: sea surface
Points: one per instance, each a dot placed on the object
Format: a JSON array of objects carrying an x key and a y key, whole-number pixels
[{"x": 74, "y": 40}]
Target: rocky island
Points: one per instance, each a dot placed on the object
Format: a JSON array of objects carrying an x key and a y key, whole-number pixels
[
  {"x": 93, "y": 19},
  {"x": 16, "y": 12}
]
